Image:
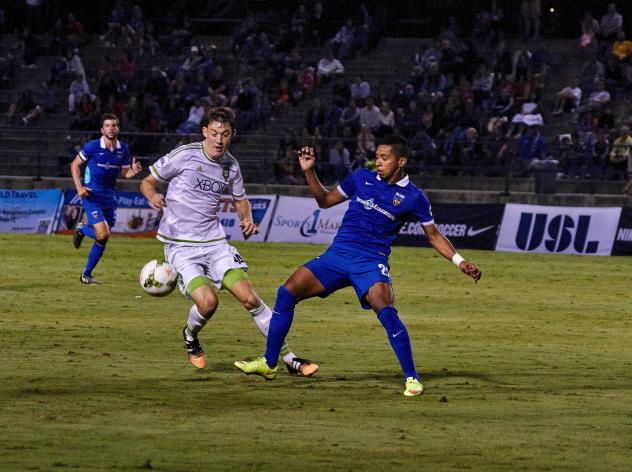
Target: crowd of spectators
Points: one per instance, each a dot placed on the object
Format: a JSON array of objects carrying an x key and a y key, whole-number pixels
[
  {"x": 473, "y": 106},
  {"x": 469, "y": 104}
]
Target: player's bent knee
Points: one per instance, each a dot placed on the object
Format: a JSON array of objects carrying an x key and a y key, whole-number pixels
[
  {"x": 285, "y": 299},
  {"x": 207, "y": 306}
]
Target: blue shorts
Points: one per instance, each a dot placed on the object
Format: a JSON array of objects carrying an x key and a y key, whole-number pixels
[
  {"x": 337, "y": 269},
  {"x": 96, "y": 213}
]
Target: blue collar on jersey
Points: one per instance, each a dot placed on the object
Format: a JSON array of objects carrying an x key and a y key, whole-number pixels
[
  {"x": 103, "y": 146},
  {"x": 402, "y": 182}
]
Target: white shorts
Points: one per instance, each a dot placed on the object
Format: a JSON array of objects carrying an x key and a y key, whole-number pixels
[{"x": 211, "y": 262}]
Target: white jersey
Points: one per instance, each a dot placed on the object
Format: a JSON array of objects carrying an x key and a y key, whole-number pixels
[{"x": 196, "y": 186}]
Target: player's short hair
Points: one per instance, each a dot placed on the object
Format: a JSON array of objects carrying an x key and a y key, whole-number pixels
[
  {"x": 109, "y": 116},
  {"x": 224, "y": 115},
  {"x": 398, "y": 144}
]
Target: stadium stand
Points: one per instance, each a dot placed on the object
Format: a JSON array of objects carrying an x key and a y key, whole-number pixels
[{"x": 268, "y": 71}]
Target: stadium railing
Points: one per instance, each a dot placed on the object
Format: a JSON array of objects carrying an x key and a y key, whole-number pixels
[{"x": 268, "y": 159}]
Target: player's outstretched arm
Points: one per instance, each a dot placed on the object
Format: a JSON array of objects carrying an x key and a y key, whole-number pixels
[
  {"x": 444, "y": 247},
  {"x": 148, "y": 189},
  {"x": 325, "y": 198}
]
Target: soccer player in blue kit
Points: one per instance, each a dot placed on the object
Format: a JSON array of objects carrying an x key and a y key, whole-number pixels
[
  {"x": 380, "y": 203},
  {"x": 107, "y": 158}
]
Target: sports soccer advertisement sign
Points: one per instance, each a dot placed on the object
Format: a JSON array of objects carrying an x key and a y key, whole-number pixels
[
  {"x": 558, "y": 230},
  {"x": 467, "y": 226},
  {"x": 299, "y": 220},
  {"x": 29, "y": 211},
  {"x": 623, "y": 238},
  {"x": 262, "y": 208}
]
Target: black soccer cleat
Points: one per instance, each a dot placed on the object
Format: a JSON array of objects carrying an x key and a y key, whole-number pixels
[
  {"x": 301, "y": 367},
  {"x": 78, "y": 236},
  {"x": 194, "y": 349},
  {"x": 88, "y": 280}
]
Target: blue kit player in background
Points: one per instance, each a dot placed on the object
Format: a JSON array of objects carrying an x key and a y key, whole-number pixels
[
  {"x": 379, "y": 204},
  {"x": 107, "y": 158}
]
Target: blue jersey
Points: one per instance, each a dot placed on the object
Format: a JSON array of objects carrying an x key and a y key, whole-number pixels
[
  {"x": 103, "y": 168},
  {"x": 377, "y": 212}
]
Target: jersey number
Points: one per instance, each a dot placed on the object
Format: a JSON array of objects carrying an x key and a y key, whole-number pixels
[
  {"x": 384, "y": 270},
  {"x": 238, "y": 259}
]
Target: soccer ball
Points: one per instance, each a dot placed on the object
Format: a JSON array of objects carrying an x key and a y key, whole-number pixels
[{"x": 158, "y": 278}]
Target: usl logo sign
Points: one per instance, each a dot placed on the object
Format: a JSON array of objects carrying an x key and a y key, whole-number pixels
[{"x": 561, "y": 230}]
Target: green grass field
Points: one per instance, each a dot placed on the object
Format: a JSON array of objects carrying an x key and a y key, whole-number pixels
[{"x": 531, "y": 369}]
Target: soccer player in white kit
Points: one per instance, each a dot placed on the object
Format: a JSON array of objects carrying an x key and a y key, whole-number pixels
[{"x": 199, "y": 174}]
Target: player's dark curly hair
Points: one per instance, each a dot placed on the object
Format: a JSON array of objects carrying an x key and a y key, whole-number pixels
[
  {"x": 398, "y": 144},
  {"x": 222, "y": 115}
]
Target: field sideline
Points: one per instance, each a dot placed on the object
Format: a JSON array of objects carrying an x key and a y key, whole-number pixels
[{"x": 531, "y": 369}]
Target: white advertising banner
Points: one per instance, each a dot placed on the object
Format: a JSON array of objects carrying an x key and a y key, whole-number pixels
[
  {"x": 558, "y": 230},
  {"x": 299, "y": 220},
  {"x": 262, "y": 208}
]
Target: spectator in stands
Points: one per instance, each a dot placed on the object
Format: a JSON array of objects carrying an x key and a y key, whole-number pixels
[
  {"x": 157, "y": 83},
  {"x": 350, "y": 117},
  {"x": 410, "y": 120},
  {"x": 620, "y": 155},
  {"x": 116, "y": 23},
  {"x": 359, "y": 160},
  {"x": 370, "y": 115},
  {"x": 532, "y": 146},
  {"x": 24, "y": 110},
  {"x": 503, "y": 104},
  {"x": 366, "y": 142},
  {"x": 244, "y": 101},
  {"x": 592, "y": 72},
  {"x": 149, "y": 40},
  {"x": 86, "y": 115},
  {"x": 28, "y": 49},
  {"x": 482, "y": 85},
  {"x": 77, "y": 89},
  {"x": 360, "y": 90},
  {"x": 135, "y": 29},
  {"x": 329, "y": 67},
  {"x": 568, "y": 98},
  {"x": 611, "y": 22},
  {"x": 179, "y": 38},
  {"x": 128, "y": 70},
  {"x": 434, "y": 83},
  {"x": 192, "y": 123},
  {"x": 521, "y": 63},
  {"x": 599, "y": 97},
  {"x": 619, "y": 55},
  {"x": 570, "y": 157},
  {"x": 339, "y": 161},
  {"x": 75, "y": 32},
  {"x": 530, "y": 18},
  {"x": 106, "y": 87},
  {"x": 315, "y": 119},
  {"x": 472, "y": 155},
  {"x": 387, "y": 120},
  {"x": 599, "y": 155},
  {"x": 590, "y": 29},
  {"x": 341, "y": 92},
  {"x": 422, "y": 150},
  {"x": 74, "y": 65},
  {"x": 307, "y": 82},
  {"x": 343, "y": 43}
]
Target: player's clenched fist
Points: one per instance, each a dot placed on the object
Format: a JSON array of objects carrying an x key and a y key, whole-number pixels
[
  {"x": 248, "y": 228},
  {"x": 306, "y": 157},
  {"x": 471, "y": 269}
]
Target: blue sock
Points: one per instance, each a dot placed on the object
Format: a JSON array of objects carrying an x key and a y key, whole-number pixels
[
  {"x": 93, "y": 258},
  {"x": 88, "y": 230},
  {"x": 399, "y": 339},
  {"x": 280, "y": 323}
]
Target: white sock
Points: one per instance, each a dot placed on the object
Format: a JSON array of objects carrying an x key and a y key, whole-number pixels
[
  {"x": 195, "y": 324},
  {"x": 262, "y": 316}
]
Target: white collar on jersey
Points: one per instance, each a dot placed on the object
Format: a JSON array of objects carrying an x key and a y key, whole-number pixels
[
  {"x": 103, "y": 146},
  {"x": 402, "y": 183}
]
